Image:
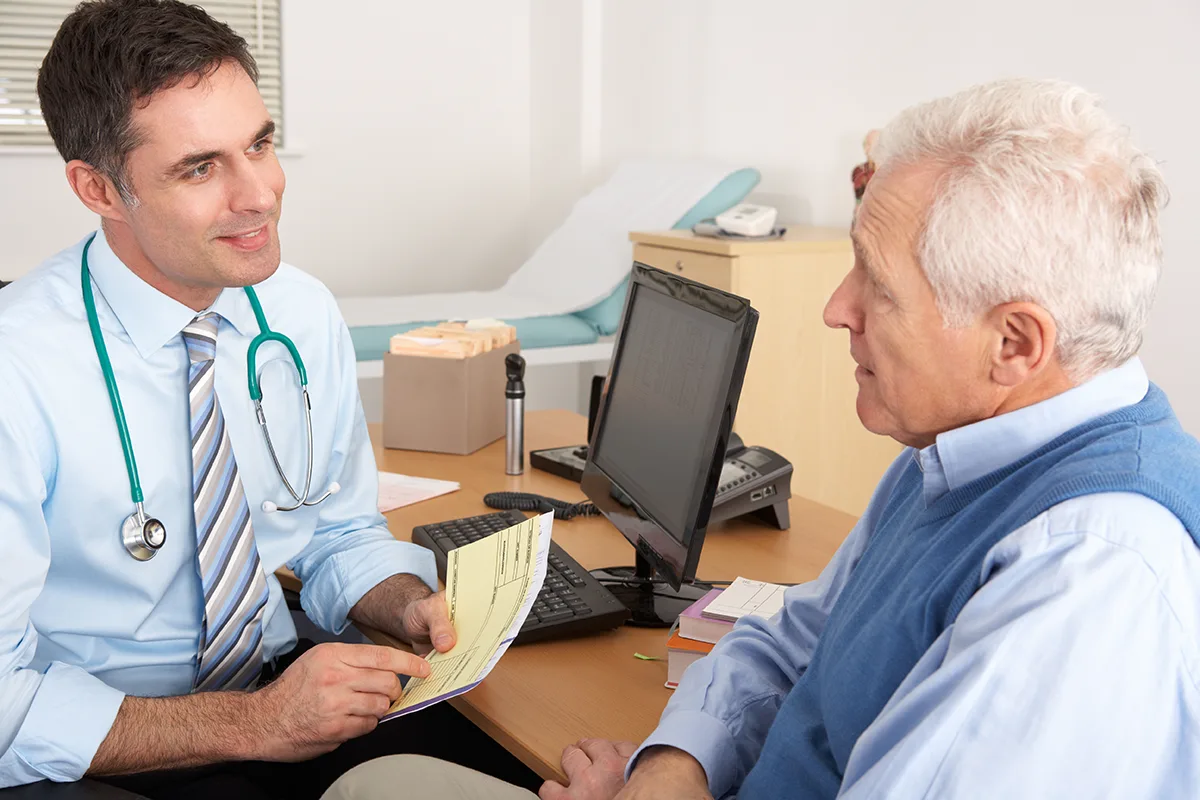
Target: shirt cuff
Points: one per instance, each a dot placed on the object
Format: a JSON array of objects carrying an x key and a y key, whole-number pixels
[
  {"x": 70, "y": 716},
  {"x": 701, "y": 736},
  {"x": 346, "y": 576}
]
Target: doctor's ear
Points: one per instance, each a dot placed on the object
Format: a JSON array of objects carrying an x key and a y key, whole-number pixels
[{"x": 96, "y": 190}]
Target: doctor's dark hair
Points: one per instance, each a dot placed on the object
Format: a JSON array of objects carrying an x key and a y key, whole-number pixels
[{"x": 111, "y": 55}]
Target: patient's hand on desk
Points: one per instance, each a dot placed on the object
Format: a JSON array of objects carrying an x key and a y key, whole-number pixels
[
  {"x": 667, "y": 773},
  {"x": 595, "y": 771}
]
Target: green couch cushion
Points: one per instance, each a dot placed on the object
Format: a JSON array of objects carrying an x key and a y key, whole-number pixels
[{"x": 372, "y": 341}]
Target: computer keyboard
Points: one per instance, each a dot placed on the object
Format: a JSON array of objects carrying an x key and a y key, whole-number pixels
[{"x": 571, "y": 601}]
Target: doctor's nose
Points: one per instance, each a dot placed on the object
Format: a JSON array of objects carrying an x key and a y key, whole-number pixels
[{"x": 252, "y": 193}]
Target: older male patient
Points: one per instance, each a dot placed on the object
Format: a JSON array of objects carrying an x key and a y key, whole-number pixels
[{"x": 1015, "y": 614}]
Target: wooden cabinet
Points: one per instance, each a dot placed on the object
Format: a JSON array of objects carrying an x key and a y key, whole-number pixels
[{"x": 799, "y": 394}]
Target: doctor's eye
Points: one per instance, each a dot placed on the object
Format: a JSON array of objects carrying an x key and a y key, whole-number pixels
[
  {"x": 201, "y": 170},
  {"x": 261, "y": 146}
]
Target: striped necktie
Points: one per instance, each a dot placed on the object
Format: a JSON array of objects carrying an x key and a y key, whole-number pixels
[{"x": 235, "y": 590}]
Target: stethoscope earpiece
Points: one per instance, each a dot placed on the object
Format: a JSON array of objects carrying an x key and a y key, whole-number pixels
[{"x": 270, "y": 507}]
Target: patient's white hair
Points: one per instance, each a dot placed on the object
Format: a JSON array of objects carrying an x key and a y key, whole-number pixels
[{"x": 1042, "y": 198}]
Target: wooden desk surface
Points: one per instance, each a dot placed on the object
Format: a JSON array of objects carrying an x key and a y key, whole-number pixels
[{"x": 543, "y": 696}]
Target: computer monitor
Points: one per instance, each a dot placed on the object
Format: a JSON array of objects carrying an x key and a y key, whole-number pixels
[{"x": 662, "y": 424}]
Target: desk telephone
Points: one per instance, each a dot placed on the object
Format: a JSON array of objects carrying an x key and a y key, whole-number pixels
[{"x": 754, "y": 480}]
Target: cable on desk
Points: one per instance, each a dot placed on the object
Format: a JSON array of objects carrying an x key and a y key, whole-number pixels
[
  {"x": 522, "y": 501},
  {"x": 633, "y": 580}
]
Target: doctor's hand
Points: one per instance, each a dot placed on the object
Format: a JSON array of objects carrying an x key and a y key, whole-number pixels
[
  {"x": 404, "y": 607},
  {"x": 427, "y": 621},
  {"x": 332, "y": 693}
]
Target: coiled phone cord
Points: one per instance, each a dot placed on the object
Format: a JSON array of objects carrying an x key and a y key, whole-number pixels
[{"x": 522, "y": 501}]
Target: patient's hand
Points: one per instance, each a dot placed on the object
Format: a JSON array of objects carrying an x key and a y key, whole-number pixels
[
  {"x": 595, "y": 770},
  {"x": 666, "y": 773}
]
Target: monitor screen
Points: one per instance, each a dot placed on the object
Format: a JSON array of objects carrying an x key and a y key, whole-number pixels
[
  {"x": 666, "y": 413},
  {"x": 666, "y": 398}
]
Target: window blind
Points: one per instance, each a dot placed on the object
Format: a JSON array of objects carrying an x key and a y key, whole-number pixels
[{"x": 28, "y": 26}]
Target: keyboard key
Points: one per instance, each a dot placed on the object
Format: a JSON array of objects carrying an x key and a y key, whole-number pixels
[{"x": 550, "y": 619}]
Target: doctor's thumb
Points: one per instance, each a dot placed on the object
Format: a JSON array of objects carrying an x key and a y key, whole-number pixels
[{"x": 441, "y": 633}]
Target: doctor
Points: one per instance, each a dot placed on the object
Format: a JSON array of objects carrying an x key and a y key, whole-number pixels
[{"x": 142, "y": 512}]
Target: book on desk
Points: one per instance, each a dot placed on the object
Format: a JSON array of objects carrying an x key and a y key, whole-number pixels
[{"x": 703, "y": 623}]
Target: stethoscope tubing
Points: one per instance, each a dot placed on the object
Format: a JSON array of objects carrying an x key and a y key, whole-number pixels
[{"x": 141, "y": 534}]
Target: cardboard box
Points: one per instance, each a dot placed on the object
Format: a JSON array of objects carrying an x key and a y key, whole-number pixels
[{"x": 444, "y": 405}]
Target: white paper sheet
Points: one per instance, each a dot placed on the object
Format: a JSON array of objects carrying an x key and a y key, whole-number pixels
[
  {"x": 397, "y": 491},
  {"x": 577, "y": 265},
  {"x": 745, "y": 597}
]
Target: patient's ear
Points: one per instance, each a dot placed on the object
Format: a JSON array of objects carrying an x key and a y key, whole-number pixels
[{"x": 1023, "y": 341}]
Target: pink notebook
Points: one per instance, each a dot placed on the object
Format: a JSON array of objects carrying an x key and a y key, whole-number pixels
[{"x": 693, "y": 625}]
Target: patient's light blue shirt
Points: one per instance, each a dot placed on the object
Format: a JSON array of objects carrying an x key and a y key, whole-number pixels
[
  {"x": 81, "y": 622},
  {"x": 1072, "y": 672}
]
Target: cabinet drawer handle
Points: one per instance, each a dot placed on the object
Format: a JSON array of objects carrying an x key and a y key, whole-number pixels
[{"x": 679, "y": 266}]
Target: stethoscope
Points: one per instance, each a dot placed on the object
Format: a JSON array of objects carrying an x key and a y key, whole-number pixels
[{"x": 142, "y": 535}]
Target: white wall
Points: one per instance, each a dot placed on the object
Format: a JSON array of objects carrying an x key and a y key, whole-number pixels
[
  {"x": 413, "y": 125},
  {"x": 791, "y": 87},
  {"x": 414, "y": 122},
  {"x": 440, "y": 142}
]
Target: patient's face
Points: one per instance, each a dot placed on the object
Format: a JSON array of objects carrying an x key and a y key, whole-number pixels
[{"x": 916, "y": 377}]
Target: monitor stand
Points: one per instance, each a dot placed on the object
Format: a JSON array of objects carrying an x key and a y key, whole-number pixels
[{"x": 653, "y": 604}]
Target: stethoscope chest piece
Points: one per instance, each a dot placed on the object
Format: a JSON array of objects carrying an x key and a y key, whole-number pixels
[{"x": 143, "y": 536}]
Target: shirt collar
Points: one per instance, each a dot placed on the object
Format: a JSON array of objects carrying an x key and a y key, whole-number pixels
[
  {"x": 972, "y": 451},
  {"x": 151, "y": 318}
]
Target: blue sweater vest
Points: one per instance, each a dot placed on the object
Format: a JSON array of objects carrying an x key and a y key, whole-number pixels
[{"x": 923, "y": 564}]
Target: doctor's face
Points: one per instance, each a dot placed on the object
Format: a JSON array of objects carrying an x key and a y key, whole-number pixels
[{"x": 206, "y": 183}]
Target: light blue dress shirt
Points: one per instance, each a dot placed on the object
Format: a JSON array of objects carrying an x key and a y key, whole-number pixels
[
  {"x": 82, "y": 623},
  {"x": 1072, "y": 672}
]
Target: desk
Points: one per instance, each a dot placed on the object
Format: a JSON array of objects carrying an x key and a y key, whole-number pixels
[{"x": 543, "y": 696}]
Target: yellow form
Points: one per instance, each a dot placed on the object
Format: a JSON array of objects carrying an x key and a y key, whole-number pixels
[{"x": 491, "y": 585}]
